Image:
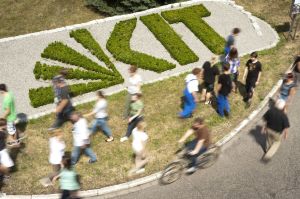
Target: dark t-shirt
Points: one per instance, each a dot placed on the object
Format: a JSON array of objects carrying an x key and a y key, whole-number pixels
[
  {"x": 2, "y": 140},
  {"x": 230, "y": 41},
  {"x": 276, "y": 120},
  {"x": 226, "y": 83},
  {"x": 253, "y": 70},
  {"x": 210, "y": 72},
  {"x": 203, "y": 134},
  {"x": 64, "y": 93}
]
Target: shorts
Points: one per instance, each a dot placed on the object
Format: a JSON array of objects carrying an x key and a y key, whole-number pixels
[
  {"x": 5, "y": 159},
  {"x": 234, "y": 76},
  {"x": 209, "y": 87},
  {"x": 11, "y": 128}
]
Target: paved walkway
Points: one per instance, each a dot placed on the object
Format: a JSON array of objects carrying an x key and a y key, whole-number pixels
[
  {"x": 239, "y": 173},
  {"x": 18, "y": 57}
]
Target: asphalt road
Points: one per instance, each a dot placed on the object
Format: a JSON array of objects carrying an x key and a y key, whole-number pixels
[{"x": 239, "y": 173}]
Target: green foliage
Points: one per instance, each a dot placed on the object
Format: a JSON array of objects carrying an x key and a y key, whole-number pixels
[
  {"x": 41, "y": 96},
  {"x": 119, "y": 45},
  {"x": 170, "y": 39},
  {"x": 61, "y": 52},
  {"x": 191, "y": 17},
  {"x": 46, "y": 72}
]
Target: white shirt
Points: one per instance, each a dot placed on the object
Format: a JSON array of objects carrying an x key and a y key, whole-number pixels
[
  {"x": 100, "y": 109},
  {"x": 139, "y": 137},
  {"x": 80, "y": 132},
  {"x": 57, "y": 150},
  {"x": 133, "y": 84},
  {"x": 192, "y": 83}
]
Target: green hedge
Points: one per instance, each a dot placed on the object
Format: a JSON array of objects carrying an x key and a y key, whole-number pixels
[
  {"x": 61, "y": 52},
  {"x": 169, "y": 39},
  {"x": 46, "y": 72},
  {"x": 191, "y": 17},
  {"x": 119, "y": 46},
  {"x": 44, "y": 95}
]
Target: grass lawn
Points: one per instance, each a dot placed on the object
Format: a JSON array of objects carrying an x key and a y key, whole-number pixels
[
  {"x": 26, "y": 16},
  {"x": 163, "y": 128}
]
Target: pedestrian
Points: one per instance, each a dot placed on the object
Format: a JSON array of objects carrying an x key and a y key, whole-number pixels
[
  {"x": 101, "y": 117},
  {"x": 135, "y": 114},
  {"x": 275, "y": 127},
  {"x": 287, "y": 89},
  {"x": 6, "y": 162},
  {"x": 224, "y": 88},
  {"x": 68, "y": 179},
  {"x": 230, "y": 42},
  {"x": 134, "y": 86},
  {"x": 139, "y": 142},
  {"x": 190, "y": 93},
  {"x": 252, "y": 76},
  {"x": 64, "y": 106},
  {"x": 81, "y": 141},
  {"x": 233, "y": 59},
  {"x": 199, "y": 144},
  {"x": 210, "y": 70},
  {"x": 10, "y": 114}
]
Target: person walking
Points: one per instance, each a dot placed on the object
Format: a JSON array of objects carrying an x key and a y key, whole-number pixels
[
  {"x": 224, "y": 88},
  {"x": 287, "y": 89},
  {"x": 64, "y": 106},
  {"x": 233, "y": 59},
  {"x": 101, "y": 117},
  {"x": 276, "y": 126},
  {"x": 139, "y": 142},
  {"x": 199, "y": 144},
  {"x": 81, "y": 139},
  {"x": 6, "y": 162},
  {"x": 10, "y": 114},
  {"x": 134, "y": 86},
  {"x": 68, "y": 179},
  {"x": 135, "y": 114},
  {"x": 230, "y": 42},
  {"x": 251, "y": 76},
  {"x": 190, "y": 93},
  {"x": 209, "y": 72}
]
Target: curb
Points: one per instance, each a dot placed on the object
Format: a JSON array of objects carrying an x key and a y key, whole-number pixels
[{"x": 141, "y": 181}]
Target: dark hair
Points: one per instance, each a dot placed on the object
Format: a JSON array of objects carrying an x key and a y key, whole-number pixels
[
  {"x": 67, "y": 161},
  {"x": 139, "y": 95},
  {"x": 196, "y": 71},
  {"x": 236, "y": 31},
  {"x": 3, "y": 87},
  {"x": 290, "y": 75},
  {"x": 199, "y": 120},
  {"x": 226, "y": 66},
  {"x": 64, "y": 72},
  {"x": 254, "y": 54},
  {"x": 133, "y": 68},
  {"x": 233, "y": 53},
  {"x": 76, "y": 113},
  {"x": 100, "y": 94},
  {"x": 3, "y": 122}
]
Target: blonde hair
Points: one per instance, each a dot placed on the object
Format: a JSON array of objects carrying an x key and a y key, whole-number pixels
[
  {"x": 141, "y": 125},
  {"x": 56, "y": 132}
]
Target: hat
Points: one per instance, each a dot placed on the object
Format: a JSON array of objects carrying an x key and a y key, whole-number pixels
[{"x": 58, "y": 79}]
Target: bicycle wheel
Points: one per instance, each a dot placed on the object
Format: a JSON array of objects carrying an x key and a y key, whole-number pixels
[
  {"x": 171, "y": 173},
  {"x": 208, "y": 159}
]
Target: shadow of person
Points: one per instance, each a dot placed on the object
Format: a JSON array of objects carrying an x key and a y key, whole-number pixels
[
  {"x": 259, "y": 137},
  {"x": 241, "y": 88}
]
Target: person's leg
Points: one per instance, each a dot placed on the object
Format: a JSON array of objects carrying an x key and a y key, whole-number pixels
[
  {"x": 193, "y": 158},
  {"x": 140, "y": 160},
  {"x": 75, "y": 154},
  {"x": 104, "y": 127},
  {"x": 189, "y": 105},
  {"x": 220, "y": 103},
  {"x": 226, "y": 105},
  {"x": 89, "y": 152},
  {"x": 65, "y": 194},
  {"x": 132, "y": 125},
  {"x": 94, "y": 127},
  {"x": 274, "y": 139},
  {"x": 59, "y": 121}
]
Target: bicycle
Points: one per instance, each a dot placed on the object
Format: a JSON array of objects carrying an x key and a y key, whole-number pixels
[{"x": 174, "y": 170}]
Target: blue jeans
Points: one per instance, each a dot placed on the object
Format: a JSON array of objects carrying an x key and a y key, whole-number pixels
[
  {"x": 101, "y": 123},
  {"x": 132, "y": 125},
  {"x": 77, "y": 152},
  {"x": 223, "y": 104},
  {"x": 193, "y": 158},
  {"x": 189, "y": 104}
]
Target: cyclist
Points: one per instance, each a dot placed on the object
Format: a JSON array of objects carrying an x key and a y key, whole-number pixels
[{"x": 198, "y": 145}]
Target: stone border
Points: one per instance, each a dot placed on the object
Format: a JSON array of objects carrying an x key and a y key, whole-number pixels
[{"x": 141, "y": 181}]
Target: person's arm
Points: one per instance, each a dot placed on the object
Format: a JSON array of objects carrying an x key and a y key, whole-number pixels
[
  {"x": 6, "y": 113},
  {"x": 63, "y": 103},
  {"x": 89, "y": 114},
  {"x": 291, "y": 94},
  {"x": 258, "y": 78},
  {"x": 198, "y": 147},
  {"x": 196, "y": 99},
  {"x": 219, "y": 86},
  {"x": 285, "y": 133},
  {"x": 55, "y": 178},
  {"x": 187, "y": 134},
  {"x": 136, "y": 115},
  {"x": 245, "y": 74}
]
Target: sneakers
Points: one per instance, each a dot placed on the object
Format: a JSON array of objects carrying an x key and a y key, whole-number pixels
[
  {"x": 191, "y": 170},
  {"x": 92, "y": 161},
  {"x": 123, "y": 139},
  {"x": 136, "y": 171},
  {"x": 109, "y": 139}
]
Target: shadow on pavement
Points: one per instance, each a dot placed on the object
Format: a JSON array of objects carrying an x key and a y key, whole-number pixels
[{"x": 259, "y": 137}]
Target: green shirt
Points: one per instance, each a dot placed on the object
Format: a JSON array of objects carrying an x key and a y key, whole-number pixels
[
  {"x": 9, "y": 103},
  {"x": 135, "y": 107},
  {"x": 68, "y": 180}
]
